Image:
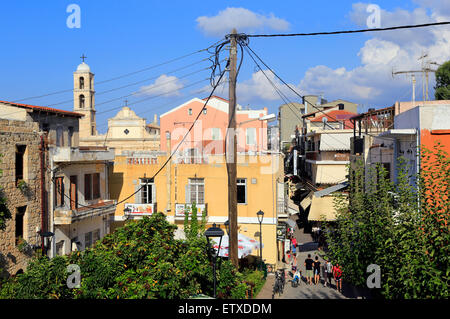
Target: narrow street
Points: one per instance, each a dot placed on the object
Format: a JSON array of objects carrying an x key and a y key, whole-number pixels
[{"x": 304, "y": 290}]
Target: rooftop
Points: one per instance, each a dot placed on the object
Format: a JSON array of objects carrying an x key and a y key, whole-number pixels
[{"x": 44, "y": 109}]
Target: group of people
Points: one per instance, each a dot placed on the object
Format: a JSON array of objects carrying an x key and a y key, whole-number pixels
[{"x": 312, "y": 273}]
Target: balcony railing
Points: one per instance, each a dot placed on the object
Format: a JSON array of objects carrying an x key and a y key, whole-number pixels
[
  {"x": 66, "y": 216},
  {"x": 182, "y": 208}
]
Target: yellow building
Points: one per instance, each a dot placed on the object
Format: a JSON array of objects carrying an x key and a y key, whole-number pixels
[{"x": 206, "y": 184}]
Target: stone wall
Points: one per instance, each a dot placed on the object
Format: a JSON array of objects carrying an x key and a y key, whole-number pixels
[{"x": 13, "y": 133}]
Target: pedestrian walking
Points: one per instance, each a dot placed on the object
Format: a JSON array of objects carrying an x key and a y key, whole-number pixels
[
  {"x": 316, "y": 271},
  {"x": 309, "y": 269},
  {"x": 337, "y": 273},
  {"x": 328, "y": 270}
]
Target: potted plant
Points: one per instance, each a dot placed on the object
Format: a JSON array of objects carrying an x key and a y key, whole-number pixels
[{"x": 22, "y": 185}]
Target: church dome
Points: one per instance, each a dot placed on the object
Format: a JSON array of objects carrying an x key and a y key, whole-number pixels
[{"x": 83, "y": 67}]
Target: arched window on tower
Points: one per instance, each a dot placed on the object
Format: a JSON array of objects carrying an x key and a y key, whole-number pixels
[
  {"x": 81, "y": 83},
  {"x": 81, "y": 101}
]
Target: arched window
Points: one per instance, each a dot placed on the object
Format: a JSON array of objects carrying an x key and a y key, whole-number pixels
[
  {"x": 81, "y": 101},
  {"x": 81, "y": 83}
]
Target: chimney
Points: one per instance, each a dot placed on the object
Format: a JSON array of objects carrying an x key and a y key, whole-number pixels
[{"x": 155, "y": 119}]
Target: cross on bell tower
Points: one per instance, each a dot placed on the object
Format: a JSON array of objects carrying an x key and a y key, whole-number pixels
[{"x": 84, "y": 98}]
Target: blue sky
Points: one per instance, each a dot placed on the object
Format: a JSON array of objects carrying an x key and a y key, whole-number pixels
[{"x": 40, "y": 52}]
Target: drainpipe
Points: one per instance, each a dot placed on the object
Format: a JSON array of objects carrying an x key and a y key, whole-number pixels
[
  {"x": 169, "y": 171},
  {"x": 42, "y": 159}
]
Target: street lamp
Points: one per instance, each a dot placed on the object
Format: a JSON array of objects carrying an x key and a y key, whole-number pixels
[
  {"x": 214, "y": 232},
  {"x": 227, "y": 226},
  {"x": 126, "y": 212},
  {"x": 260, "y": 216}
]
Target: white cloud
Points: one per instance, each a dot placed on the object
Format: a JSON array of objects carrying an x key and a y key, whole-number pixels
[
  {"x": 163, "y": 85},
  {"x": 242, "y": 19},
  {"x": 372, "y": 82}
]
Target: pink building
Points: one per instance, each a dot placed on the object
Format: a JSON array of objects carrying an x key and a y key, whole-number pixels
[{"x": 208, "y": 134}]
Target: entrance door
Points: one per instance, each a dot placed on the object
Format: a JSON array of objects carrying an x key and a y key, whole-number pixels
[{"x": 73, "y": 192}]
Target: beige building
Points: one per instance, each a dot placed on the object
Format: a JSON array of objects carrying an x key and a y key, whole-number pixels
[
  {"x": 20, "y": 186},
  {"x": 126, "y": 131}
]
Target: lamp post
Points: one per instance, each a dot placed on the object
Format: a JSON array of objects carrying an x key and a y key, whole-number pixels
[
  {"x": 126, "y": 212},
  {"x": 227, "y": 226},
  {"x": 214, "y": 232},
  {"x": 260, "y": 216}
]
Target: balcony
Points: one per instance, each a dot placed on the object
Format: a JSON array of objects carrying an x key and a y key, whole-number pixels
[
  {"x": 81, "y": 154},
  {"x": 139, "y": 209},
  {"x": 65, "y": 216},
  {"x": 182, "y": 208}
]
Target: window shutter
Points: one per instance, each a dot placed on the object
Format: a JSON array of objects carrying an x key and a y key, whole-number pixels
[
  {"x": 187, "y": 194},
  {"x": 153, "y": 194},
  {"x": 96, "y": 185},
  {"x": 137, "y": 196}
]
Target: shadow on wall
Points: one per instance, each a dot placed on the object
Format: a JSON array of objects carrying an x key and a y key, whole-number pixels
[{"x": 115, "y": 184}]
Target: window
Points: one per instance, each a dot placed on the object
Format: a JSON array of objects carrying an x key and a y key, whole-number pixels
[
  {"x": 70, "y": 136},
  {"x": 196, "y": 190},
  {"x": 81, "y": 83},
  {"x": 241, "y": 190},
  {"x": 59, "y": 191},
  {"x": 60, "y": 248},
  {"x": 91, "y": 186},
  {"x": 20, "y": 214},
  {"x": 81, "y": 101},
  {"x": 251, "y": 136},
  {"x": 190, "y": 112},
  {"x": 20, "y": 162},
  {"x": 215, "y": 134},
  {"x": 87, "y": 186},
  {"x": 92, "y": 130},
  {"x": 88, "y": 240},
  {"x": 147, "y": 190},
  {"x": 73, "y": 192},
  {"x": 95, "y": 185},
  {"x": 96, "y": 235},
  {"x": 59, "y": 136}
]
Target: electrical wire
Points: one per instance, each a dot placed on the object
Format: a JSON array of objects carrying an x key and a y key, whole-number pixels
[{"x": 349, "y": 31}]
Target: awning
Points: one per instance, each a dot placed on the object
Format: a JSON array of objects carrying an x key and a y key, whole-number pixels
[
  {"x": 322, "y": 208},
  {"x": 331, "y": 189},
  {"x": 335, "y": 142},
  {"x": 291, "y": 223},
  {"x": 306, "y": 202},
  {"x": 292, "y": 207}
]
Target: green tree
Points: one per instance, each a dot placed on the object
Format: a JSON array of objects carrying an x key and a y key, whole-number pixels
[
  {"x": 139, "y": 260},
  {"x": 401, "y": 228},
  {"x": 442, "y": 88}
]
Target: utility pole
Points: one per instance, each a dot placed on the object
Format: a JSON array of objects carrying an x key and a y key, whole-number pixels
[{"x": 232, "y": 152}]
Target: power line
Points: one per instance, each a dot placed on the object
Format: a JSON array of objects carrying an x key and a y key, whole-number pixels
[
  {"x": 168, "y": 159},
  {"x": 137, "y": 82},
  {"x": 124, "y": 75},
  {"x": 349, "y": 31}
]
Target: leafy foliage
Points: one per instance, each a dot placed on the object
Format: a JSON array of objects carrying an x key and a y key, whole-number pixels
[
  {"x": 442, "y": 88},
  {"x": 401, "y": 228},
  {"x": 140, "y": 260}
]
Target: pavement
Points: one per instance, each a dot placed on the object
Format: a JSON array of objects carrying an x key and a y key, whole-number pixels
[{"x": 304, "y": 290}]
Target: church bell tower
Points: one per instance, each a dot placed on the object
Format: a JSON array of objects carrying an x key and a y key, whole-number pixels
[{"x": 84, "y": 99}]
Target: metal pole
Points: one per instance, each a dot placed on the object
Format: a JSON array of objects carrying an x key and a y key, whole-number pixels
[
  {"x": 232, "y": 153},
  {"x": 260, "y": 245}
]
